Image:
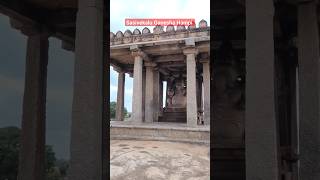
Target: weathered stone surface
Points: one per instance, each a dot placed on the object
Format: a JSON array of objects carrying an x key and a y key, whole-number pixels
[
  {"x": 181, "y": 28},
  {"x": 127, "y": 33},
  {"x": 158, "y": 30},
  {"x": 145, "y": 30},
  {"x": 309, "y": 91},
  {"x": 119, "y": 34},
  {"x": 192, "y": 110},
  {"x": 112, "y": 36},
  {"x": 170, "y": 28},
  {"x": 150, "y": 97},
  {"x": 206, "y": 92},
  {"x": 158, "y": 160},
  {"x": 261, "y": 136},
  {"x": 137, "y": 101},
  {"x": 120, "y": 97},
  {"x": 87, "y": 135},
  {"x": 179, "y": 132},
  {"x": 136, "y": 32}
]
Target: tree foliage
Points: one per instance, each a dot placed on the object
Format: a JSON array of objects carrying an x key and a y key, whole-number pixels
[
  {"x": 9, "y": 155},
  {"x": 113, "y": 107}
]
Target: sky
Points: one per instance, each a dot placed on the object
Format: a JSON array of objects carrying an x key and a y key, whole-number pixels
[{"x": 60, "y": 66}]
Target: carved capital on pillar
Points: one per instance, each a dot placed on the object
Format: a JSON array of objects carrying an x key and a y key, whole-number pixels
[{"x": 136, "y": 51}]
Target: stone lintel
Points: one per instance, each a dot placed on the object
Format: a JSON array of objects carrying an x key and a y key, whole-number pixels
[
  {"x": 190, "y": 42},
  {"x": 204, "y": 61},
  {"x": 190, "y": 50},
  {"x": 150, "y": 64}
]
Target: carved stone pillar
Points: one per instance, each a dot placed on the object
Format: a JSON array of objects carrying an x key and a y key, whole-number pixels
[
  {"x": 206, "y": 90},
  {"x": 156, "y": 93},
  {"x": 32, "y": 153},
  {"x": 150, "y": 98},
  {"x": 137, "y": 95},
  {"x": 309, "y": 90},
  {"x": 192, "y": 112},
  {"x": 160, "y": 97},
  {"x": 261, "y": 138},
  {"x": 87, "y": 132},
  {"x": 120, "y": 96}
]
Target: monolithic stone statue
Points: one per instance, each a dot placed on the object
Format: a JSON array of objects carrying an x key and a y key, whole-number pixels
[{"x": 179, "y": 98}]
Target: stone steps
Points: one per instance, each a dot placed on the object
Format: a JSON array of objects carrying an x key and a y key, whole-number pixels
[
  {"x": 177, "y": 132},
  {"x": 180, "y": 117}
]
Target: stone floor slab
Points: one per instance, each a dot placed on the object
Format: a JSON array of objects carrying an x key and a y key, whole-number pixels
[{"x": 157, "y": 160}]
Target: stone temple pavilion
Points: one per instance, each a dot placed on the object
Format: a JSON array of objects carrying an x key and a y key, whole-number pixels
[{"x": 176, "y": 55}]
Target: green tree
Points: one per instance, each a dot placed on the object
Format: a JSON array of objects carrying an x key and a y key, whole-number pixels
[
  {"x": 9, "y": 153},
  {"x": 113, "y": 107}
]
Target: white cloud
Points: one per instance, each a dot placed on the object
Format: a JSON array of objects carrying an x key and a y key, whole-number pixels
[
  {"x": 113, "y": 88},
  {"x": 128, "y": 91}
]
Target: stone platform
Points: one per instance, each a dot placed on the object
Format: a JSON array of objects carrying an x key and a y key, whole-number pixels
[
  {"x": 158, "y": 160},
  {"x": 161, "y": 131}
]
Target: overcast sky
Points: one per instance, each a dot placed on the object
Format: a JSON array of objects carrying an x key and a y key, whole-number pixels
[{"x": 60, "y": 67}]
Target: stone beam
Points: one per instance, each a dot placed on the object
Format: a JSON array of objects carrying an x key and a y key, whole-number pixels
[
  {"x": 164, "y": 71},
  {"x": 169, "y": 58},
  {"x": 163, "y": 42},
  {"x": 173, "y": 64},
  {"x": 19, "y": 11},
  {"x": 65, "y": 18}
]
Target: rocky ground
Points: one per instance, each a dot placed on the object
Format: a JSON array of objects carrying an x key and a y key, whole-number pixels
[{"x": 157, "y": 160}]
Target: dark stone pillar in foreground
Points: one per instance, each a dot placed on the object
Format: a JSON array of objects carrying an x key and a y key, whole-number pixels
[
  {"x": 309, "y": 89},
  {"x": 87, "y": 112},
  {"x": 262, "y": 161},
  {"x": 32, "y": 153}
]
